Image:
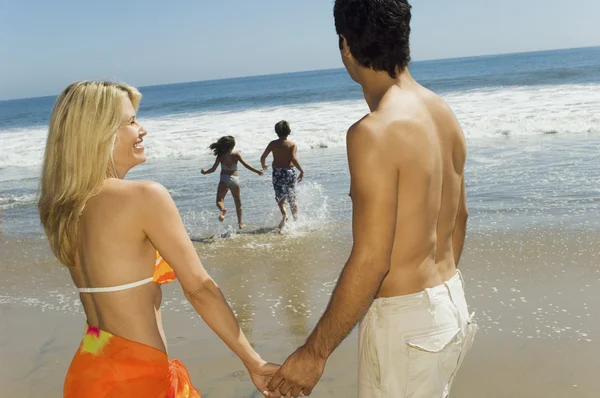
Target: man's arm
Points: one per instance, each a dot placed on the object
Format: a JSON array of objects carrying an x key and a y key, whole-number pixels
[
  {"x": 460, "y": 225},
  {"x": 263, "y": 158},
  {"x": 374, "y": 191}
]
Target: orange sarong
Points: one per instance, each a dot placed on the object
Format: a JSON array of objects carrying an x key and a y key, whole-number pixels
[{"x": 110, "y": 366}]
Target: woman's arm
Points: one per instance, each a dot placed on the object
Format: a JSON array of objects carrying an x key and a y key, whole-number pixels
[
  {"x": 164, "y": 228},
  {"x": 213, "y": 168},
  {"x": 246, "y": 165}
]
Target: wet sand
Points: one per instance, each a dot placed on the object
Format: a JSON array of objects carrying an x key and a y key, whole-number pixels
[{"x": 534, "y": 294}]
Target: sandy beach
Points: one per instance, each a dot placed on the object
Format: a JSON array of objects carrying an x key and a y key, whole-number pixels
[{"x": 533, "y": 293}]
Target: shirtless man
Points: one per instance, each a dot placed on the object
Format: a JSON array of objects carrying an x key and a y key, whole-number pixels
[
  {"x": 406, "y": 160},
  {"x": 284, "y": 174}
]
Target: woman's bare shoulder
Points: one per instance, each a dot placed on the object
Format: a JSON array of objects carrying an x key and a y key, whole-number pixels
[
  {"x": 136, "y": 193},
  {"x": 130, "y": 187}
]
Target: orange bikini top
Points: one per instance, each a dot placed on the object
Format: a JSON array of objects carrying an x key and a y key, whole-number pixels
[{"x": 162, "y": 273}]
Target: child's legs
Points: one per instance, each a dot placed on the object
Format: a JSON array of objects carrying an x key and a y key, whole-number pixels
[
  {"x": 235, "y": 192},
  {"x": 281, "y": 204},
  {"x": 284, "y": 217},
  {"x": 294, "y": 208},
  {"x": 280, "y": 192},
  {"x": 292, "y": 199},
  {"x": 290, "y": 190},
  {"x": 221, "y": 192}
]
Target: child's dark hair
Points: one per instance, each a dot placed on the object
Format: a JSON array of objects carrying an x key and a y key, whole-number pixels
[
  {"x": 223, "y": 145},
  {"x": 282, "y": 129}
]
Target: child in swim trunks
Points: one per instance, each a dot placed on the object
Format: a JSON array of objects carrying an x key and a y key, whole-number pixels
[
  {"x": 284, "y": 173},
  {"x": 223, "y": 150}
]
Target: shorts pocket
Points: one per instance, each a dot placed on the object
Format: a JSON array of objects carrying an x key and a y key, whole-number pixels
[
  {"x": 469, "y": 338},
  {"x": 433, "y": 359},
  {"x": 467, "y": 343},
  {"x": 373, "y": 352}
]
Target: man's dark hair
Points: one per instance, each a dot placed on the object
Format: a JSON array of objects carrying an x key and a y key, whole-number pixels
[
  {"x": 377, "y": 32},
  {"x": 282, "y": 129}
]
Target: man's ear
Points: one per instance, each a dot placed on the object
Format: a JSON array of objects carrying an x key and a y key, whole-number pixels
[{"x": 344, "y": 48}]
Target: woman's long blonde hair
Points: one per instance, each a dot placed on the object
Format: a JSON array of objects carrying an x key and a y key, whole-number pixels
[{"x": 79, "y": 157}]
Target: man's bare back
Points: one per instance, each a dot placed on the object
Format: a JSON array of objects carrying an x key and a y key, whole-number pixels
[
  {"x": 419, "y": 139},
  {"x": 406, "y": 160}
]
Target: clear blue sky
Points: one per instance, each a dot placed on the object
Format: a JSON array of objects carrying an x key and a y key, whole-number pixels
[{"x": 45, "y": 45}]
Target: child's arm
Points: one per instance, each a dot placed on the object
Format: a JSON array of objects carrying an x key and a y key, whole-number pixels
[
  {"x": 297, "y": 164},
  {"x": 212, "y": 169},
  {"x": 263, "y": 158},
  {"x": 246, "y": 165}
]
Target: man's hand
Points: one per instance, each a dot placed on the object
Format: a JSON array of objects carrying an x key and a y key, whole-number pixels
[
  {"x": 299, "y": 374},
  {"x": 203, "y": 171},
  {"x": 301, "y": 176}
]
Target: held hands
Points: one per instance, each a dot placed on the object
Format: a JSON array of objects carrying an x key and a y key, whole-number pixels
[
  {"x": 298, "y": 375},
  {"x": 261, "y": 374}
]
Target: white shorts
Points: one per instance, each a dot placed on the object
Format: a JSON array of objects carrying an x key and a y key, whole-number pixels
[{"x": 411, "y": 346}]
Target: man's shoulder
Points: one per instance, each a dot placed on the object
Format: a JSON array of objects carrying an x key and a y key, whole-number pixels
[
  {"x": 378, "y": 126},
  {"x": 367, "y": 125},
  {"x": 444, "y": 119},
  {"x": 366, "y": 137},
  {"x": 390, "y": 140}
]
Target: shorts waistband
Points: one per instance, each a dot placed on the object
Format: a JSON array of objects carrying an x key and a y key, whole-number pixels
[{"x": 423, "y": 299}]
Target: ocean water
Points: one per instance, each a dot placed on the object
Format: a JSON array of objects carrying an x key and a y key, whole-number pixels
[{"x": 532, "y": 123}]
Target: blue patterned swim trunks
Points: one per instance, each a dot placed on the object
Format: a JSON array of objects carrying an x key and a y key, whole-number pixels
[{"x": 284, "y": 184}]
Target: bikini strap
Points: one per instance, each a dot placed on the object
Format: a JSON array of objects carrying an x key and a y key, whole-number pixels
[{"x": 115, "y": 288}]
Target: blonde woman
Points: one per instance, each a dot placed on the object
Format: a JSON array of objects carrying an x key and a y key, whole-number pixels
[{"x": 108, "y": 232}]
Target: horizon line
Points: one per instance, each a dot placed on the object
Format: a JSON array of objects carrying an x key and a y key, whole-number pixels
[{"x": 319, "y": 70}]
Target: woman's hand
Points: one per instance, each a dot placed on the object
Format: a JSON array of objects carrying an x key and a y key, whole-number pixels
[{"x": 261, "y": 374}]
